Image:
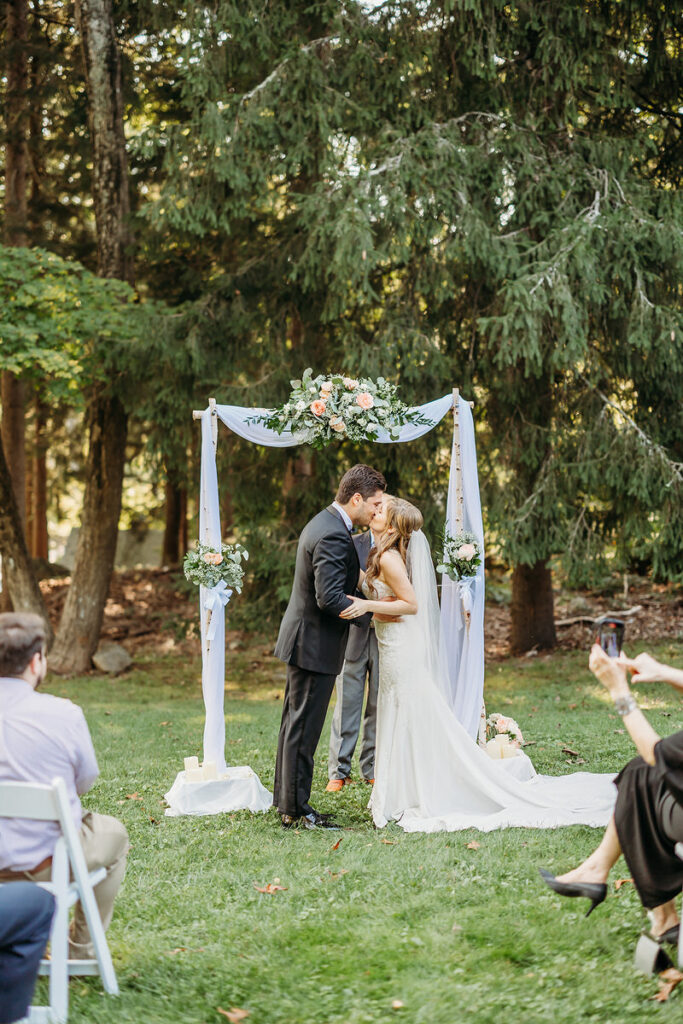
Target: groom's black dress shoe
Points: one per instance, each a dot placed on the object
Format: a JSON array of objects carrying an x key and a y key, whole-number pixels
[
  {"x": 322, "y": 814},
  {"x": 308, "y": 821}
]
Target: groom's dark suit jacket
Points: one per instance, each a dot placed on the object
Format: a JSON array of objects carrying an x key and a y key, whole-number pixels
[{"x": 312, "y": 636}]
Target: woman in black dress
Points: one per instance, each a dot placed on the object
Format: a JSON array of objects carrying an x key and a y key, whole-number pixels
[{"x": 648, "y": 814}]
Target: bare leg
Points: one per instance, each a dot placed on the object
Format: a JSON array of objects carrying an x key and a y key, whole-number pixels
[
  {"x": 663, "y": 918},
  {"x": 596, "y": 868}
]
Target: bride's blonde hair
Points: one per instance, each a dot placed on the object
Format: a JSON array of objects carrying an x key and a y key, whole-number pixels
[{"x": 402, "y": 519}]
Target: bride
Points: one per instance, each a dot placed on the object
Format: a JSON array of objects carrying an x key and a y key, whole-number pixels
[{"x": 430, "y": 776}]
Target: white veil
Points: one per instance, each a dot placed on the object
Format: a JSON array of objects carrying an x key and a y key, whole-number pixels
[{"x": 424, "y": 628}]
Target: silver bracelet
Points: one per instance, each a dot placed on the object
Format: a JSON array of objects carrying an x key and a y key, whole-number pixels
[{"x": 625, "y": 705}]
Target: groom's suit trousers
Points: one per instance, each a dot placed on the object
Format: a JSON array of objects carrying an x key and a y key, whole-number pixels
[
  {"x": 307, "y": 696},
  {"x": 346, "y": 721}
]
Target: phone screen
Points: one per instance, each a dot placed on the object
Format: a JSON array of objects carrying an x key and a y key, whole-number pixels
[{"x": 610, "y": 636}]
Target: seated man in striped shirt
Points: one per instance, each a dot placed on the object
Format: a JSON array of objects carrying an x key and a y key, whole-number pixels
[{"x": 42, "y": 737}]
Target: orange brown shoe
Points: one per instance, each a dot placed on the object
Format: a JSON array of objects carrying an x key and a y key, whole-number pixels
[{"x": 334, "y": 785}]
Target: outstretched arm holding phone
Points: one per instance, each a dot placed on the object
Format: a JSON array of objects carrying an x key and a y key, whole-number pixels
[
  {"x": 611, "y": 672},
  {"x": 648, "y": 815}
]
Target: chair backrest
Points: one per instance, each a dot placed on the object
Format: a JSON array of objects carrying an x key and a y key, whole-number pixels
[{"x": 33, "y": 800}]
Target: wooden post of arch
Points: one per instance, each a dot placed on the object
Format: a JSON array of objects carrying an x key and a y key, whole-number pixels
[
  {"x": 459, "y": 504},
  {"x": 197, "y": 415}
]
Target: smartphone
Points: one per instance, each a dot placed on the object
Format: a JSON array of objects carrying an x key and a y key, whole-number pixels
[{"x": 610, "y": 635}]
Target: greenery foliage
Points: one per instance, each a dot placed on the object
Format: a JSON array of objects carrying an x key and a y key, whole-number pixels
[{"x": 439, "y": 193}]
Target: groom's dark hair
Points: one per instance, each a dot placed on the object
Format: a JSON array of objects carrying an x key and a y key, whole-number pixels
[{"x": 360, "y": 479}]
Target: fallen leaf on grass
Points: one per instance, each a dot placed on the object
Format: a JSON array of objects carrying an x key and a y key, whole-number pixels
[
  {"x": 668, "y": 980},
  {"x": 234, "y": 1015},
  {"x": 270, "y": 888},
  {"x": 389, "y": 842},
  {"x": 337, "y": 874},
  {"x": 184, "y": 949},
  {"x": 456, "y": 928},
  {"x": 397, "y": 1005},
  {"x": 133, "y": 796},
  {"x": 621, "y": 881},
  {"x": 336, "y": 845},
  {"x": 572, "y": 707},
  {"x": 474, "y": 845},
  {"x": 164, "y": 723},
  {"x": 576, "y": 760},
  {"x": 568, "y": 750}
]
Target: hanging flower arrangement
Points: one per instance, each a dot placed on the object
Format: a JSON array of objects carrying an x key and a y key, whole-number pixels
[
  {"x": 460, "y": 557},
  {"x": 324, "y": 409},
  {"x": 207, "y": 567}
]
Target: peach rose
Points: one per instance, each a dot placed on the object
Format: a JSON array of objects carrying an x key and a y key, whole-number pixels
[
  {"x": 365, "y": 400},
  {"x": 466, "y": 551},
  {"x": 337, "y": 423},
  {"x": 318, "y": 407},
  {"x": 326, "y": 388},
  {"x": 350, "y": 383},
  {"x": 213, "y": 557}
]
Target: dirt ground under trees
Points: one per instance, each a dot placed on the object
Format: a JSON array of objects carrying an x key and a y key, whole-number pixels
[{"x": 152, "y": 609}]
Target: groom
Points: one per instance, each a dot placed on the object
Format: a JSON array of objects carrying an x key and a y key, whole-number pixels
[{"x": 312, "y": 637}]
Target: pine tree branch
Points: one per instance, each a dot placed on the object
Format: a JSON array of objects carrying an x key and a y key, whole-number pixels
[
  {"x": 652, "y": 447},
  {"x": 276, "y": 71}
]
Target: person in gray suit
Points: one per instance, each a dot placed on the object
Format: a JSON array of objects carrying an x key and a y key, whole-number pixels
[
  {"x": 361, "y": 665},
  {"x": 312, "y": 637}
]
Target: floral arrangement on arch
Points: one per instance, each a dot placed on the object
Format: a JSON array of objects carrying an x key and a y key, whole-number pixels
[
  {"x": 501, "y": 725},
  {"x": 207, "y": 567},
  {"x": 322, "y": 409},
  {"x": 460, "y": 557}
]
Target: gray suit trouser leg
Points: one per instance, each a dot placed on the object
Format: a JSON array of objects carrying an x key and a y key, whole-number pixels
[{"x": 349, "y": 711}]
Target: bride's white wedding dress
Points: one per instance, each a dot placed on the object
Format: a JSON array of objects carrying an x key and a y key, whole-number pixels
[{"x": 430, "y": 776}]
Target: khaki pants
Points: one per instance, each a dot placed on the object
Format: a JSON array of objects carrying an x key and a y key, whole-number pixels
[{"x": 105, "y": 845}]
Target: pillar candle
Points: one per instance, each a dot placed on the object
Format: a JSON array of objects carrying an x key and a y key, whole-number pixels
[
  {"x": 209, "y": 770},
  {"x": 190, "y": 763},
  {"x": 194, "y": 775}
]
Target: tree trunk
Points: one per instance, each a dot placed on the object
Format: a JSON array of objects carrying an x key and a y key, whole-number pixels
[
  {"x": 81, "y": 622},
  {"x": 171, "y": 549},
  {"x": 16, "y": 165},
  {"x": 39, "y": 532},
  {"x": 533, "y": 617},
  {"x": 183, "y": 539},
  {"x": 102, "y": 62},
  {"x": 14, "y": 456},
  {"x": 16, "y": 111},
  {"x": 106, "y": 417},
  {"x": 18, "y": 578}
]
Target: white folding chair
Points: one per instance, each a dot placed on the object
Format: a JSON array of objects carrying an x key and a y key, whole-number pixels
[
  {"x": 51, "y": 803},
  {"x": 679, "y": 853},
  {"x": 649, "y": 957}
]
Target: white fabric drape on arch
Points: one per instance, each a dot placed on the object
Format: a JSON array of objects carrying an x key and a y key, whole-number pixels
[
  {"x": 466, "y": 689},
  {"x": 465, "y": 647}
]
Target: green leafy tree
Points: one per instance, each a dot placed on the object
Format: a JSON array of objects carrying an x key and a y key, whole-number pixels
[{"x": 475, "y": 193}]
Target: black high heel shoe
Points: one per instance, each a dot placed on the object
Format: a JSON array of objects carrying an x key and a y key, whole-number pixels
[{"x": 594, "y": 891}]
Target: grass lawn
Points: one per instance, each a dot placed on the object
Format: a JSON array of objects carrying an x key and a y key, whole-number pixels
[{"x": 454, "y": 934}]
